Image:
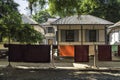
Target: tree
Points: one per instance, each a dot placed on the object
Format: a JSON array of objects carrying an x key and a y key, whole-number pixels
[
  {"x": 70, "y": 7},
  {"x": 10, "y": 20},
  {"x": 11, "y": 24},
  {"x": 42, "y": 16},
  {"x": 27, "y": 34},
  {"x": 34, "y": 3},
  {"x": 88, "y": 6},
  {"x": 109, "y": 10},
  {"x": 64, "y": 8}
]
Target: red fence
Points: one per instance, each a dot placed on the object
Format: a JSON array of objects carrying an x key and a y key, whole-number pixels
[
  {"x": 29, "y": 53},
  {"x": 81, "y": 53},
  {"x": 16, "y": 53},
  {"x": 104, "y": 53},
  {"x": 41, "y": 53}
]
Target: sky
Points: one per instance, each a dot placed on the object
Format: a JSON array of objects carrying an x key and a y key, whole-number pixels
[{"x": 23, "y": 6}]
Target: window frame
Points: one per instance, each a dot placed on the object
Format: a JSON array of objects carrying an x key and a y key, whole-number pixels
[
  {"x": 50, "y": 30},
  {"x": 65, "y": 35},
  {"x": 69, "y": 35},
  {"x": 92, "y": 35}
]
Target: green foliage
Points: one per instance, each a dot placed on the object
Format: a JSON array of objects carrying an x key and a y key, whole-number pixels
[
  {"x": 70, "y": 7},
  {"x": 64, "y": 7},
  {"x": 10, "y": 20},
  {"x": 88, "y": 6},
  {"x": 108, "y": 10},
  {"x": 33, "y": 4},
  {"x": 27, "y": 34},
  {"x": 11, "y": 24},
  {"x": 41, "y": 16}
]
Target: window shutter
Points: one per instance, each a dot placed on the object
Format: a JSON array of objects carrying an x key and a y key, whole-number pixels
[
  {"x": 76, "y": 35},
  {"x": 87, "y": 35},
  {"x": 63, "y": 35},
  {"x": 97, "y": 35}
]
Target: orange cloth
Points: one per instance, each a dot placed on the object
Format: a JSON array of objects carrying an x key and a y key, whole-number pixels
[{"x": 66, "y": 50}]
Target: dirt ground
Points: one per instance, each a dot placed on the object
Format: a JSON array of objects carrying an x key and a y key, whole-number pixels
[
  {"x": 10, "y": 73},
  {"x": 15, "y": 73}
]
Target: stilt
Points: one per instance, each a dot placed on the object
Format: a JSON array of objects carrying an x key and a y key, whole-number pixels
[
  {"x": 9, "y": 65},
  {"x": 52, "y": 57},
  {"x": 94, "y": 63}
]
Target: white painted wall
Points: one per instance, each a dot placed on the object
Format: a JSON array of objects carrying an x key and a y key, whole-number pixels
[{"x": 114, "y": 37}]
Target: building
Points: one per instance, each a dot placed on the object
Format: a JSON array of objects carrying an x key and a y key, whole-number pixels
[
  {"x": 82, "y": 30},
  {"x": 36, "y": 25},
  {"x": 50, "y": 31},
  {"x": 114, "y": 33},
  {"x": 28, "y": 20}
]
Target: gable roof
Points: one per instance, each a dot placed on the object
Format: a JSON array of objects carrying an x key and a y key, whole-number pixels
[
  {"x": 115, "y": 25},
  {"x": 49, "y": 21},
  {"x": 28, "y": 20},
  {"x": 81, "y": 19}
]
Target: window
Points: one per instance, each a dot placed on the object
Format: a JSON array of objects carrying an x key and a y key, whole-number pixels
[
  {"x": 50, "y": 30},
  {"x": 69, "y": 35},
  {"x": 91, "y": 35}
]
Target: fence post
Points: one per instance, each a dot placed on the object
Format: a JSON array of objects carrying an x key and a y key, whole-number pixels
[
  {"x": 52, "y": 58},
  {"x": 94, "y": 65},
  {"x": 52, "y": 53}
]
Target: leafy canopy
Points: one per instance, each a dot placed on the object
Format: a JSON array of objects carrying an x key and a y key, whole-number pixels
[
  {"x": 11, "y": 24},
  {"x": 42, "y": 16},
  {"x": 107, "y": 9}
]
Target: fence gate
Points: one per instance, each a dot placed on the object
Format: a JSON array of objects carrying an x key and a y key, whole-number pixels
[
  {"x": 104, "y": 53},
  {"x": 81, "y": 53}
]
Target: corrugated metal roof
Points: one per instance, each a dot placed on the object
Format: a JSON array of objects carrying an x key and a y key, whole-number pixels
[
  {"x": 81, "y": 19},
  {"x": 115, "y": 25},
  {"x": 49, "y": 21},
  {"x": 28, "y": 20}
]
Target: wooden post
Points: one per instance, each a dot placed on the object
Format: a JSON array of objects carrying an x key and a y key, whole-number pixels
[
  {"x": 95, "y": 49},
  {"x": 51, "y": 53}
]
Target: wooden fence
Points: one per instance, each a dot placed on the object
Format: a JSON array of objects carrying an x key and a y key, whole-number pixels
[{"x": 41, "y": 53}]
